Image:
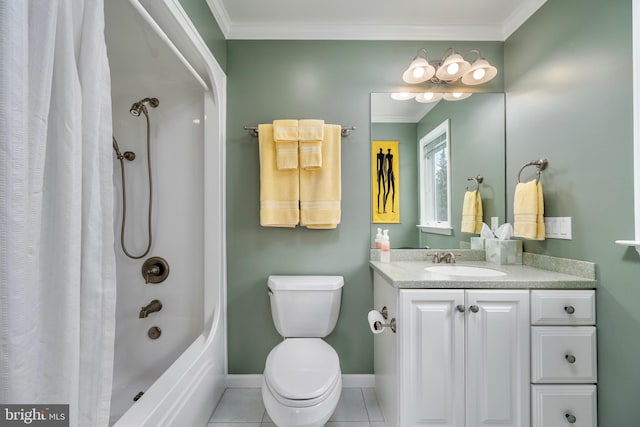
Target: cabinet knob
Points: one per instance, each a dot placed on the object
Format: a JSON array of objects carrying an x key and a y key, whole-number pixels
[
  {"x": 570, "y": 358},
  {"x": 570, "y": 418},
  {"x": 570, "y": 309},
  {"x": 474, "y": 308},
  {"x": 460, "y": 308}
]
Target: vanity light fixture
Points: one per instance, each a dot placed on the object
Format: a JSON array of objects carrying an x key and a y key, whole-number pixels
[{"x": 453, "y": 68}]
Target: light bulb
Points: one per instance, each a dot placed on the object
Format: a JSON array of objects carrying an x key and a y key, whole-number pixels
[
  {"x": 418, "y": 72},
  {"x": 457, "y": 94},
  {"x": 428, "y": 96},
  {"x": 453, "y": 68},
  {"x": 479, "y": 73}
]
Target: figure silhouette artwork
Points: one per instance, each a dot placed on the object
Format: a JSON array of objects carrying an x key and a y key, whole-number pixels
[{"x": 384, "y": 197}]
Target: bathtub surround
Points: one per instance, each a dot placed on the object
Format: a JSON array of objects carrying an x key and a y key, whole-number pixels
[{"x": 57, "y": 286}]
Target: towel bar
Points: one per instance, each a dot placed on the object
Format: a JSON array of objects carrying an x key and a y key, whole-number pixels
[
  {"x": 253, "y": 130},
  {"x": 540, "y": 165}
]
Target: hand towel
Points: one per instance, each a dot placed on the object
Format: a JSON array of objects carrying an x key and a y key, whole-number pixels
[
  {"x": 528, "y": 210},
  {"x": 310, "y": 136},
  {"x": 285, "y": 135},
  {"x": 472, "y": 212},
  {"x": 320, "y": 189},
  {"x": 279, "y": 189}
]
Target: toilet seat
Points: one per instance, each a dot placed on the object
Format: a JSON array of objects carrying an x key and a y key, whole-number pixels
[{"x": 302, "y": 372}]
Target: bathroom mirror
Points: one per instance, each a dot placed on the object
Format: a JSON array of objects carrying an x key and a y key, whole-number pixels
[{"x": 477, "y": 147}]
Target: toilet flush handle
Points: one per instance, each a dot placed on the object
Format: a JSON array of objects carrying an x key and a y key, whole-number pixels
[{"x": 269, "y": 291}]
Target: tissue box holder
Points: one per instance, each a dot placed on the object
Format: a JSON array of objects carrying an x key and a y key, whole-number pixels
[
  {"x": 503, "y": 251},
  {"x": 477, "y": 243}
]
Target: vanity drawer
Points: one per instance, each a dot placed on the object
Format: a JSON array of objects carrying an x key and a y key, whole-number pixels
[
  {"x": 563, "y": 354},
  {"x": 574, "y": 307},
  {"x": 563, "y": 405}
]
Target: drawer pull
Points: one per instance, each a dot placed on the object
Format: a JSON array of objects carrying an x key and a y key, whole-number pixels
[
  {"x": 474, "y": 308},
  {"x": 570, "y": 309},
  {"x": 570, "y": 418},
  {"x": 460, "y": 308},
  {"x": 570, "y": 358}
]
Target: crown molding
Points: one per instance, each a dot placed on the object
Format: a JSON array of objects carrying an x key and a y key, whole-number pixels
[
  {"x": 222, "y": 17},
  {"x": 520, "y": 16},
  {"x": 315, "y": 31},
  {"x": 321, "y": 31}
]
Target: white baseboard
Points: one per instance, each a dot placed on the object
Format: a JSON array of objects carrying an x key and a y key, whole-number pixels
[{"x": 255, "y": 381}]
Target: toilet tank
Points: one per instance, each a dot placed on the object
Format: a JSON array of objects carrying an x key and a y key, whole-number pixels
[{"x": 305, "y": 306}]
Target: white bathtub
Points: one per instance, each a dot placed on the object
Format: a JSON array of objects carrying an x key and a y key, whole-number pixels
[{"x": 154, "y": 51}]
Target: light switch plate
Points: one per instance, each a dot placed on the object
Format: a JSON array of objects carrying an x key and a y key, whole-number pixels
[
  {"x": 558, "y": 227},
  {"x": 494, "y": 223}
]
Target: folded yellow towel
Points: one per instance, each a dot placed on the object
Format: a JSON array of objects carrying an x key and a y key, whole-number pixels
[
  {"x": 528, "y": 211},
  {"x": 310, "y": 135},
  {"x": 279, "y": 189},
  {"x": 472, "y": 212},
  {"x": 320, "y": 189},
  {"x": 285, "y": 135}
]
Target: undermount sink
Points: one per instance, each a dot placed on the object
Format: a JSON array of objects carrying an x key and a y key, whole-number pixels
[{"x": 465, "y": 270}]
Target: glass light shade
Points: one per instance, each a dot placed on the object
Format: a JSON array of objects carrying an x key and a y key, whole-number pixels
[
  {"x": 456, "y": 96},
  {"x": 419, "y": 71},
  {"x": 452, "y": 68},
  {"x": 428, "y": 97},
  {"x": 480, "y": 72},
  {"x": 402, "y": 96}
]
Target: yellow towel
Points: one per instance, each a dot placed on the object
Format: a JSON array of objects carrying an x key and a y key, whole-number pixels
[
  {"x": 472, "y": 212},
  {"x": 285, "y": 135},
  {"x": 528, "y": 211},
  {"x": 310, "y": 135},
  {"x": 320, "y": 189},
  {"x": 279, "y": 189}
]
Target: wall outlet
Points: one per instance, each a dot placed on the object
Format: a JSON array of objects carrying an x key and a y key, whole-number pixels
[{"x": 557, "y": 227}]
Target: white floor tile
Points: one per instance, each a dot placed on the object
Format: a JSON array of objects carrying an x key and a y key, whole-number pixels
[
  {"x": 378, "y": 424},
  {"x": 350, "y": 407},
  {"x": 347, "y": 424},
  {"x": 371, "y": 402},
  {"x": 239, "y": 405},
  {"x": 233, "y": 425}
]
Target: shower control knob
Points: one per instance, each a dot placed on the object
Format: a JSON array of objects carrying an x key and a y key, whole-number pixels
[{"x": 155, "y": 270}]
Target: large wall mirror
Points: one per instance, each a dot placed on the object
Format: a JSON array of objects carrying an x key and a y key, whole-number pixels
[{"x": 477, "y": 147}]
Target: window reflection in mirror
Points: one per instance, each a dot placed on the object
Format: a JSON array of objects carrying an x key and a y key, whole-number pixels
[{"x": 435, "y": 179}]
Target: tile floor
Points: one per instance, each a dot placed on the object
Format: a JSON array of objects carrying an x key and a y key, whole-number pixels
[{"x": 243, "y": 407}]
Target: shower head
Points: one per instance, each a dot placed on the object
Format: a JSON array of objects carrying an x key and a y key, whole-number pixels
[{"x": 139, "y": 106}]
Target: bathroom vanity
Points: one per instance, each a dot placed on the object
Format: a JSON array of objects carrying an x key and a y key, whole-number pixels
[{"x": 479, "y": 344}]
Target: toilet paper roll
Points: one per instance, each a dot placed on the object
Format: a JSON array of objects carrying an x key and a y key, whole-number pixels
[{"x": 373, "y": 317}]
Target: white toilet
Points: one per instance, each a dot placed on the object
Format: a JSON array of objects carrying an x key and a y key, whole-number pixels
[{"x": 302, "y": 380}]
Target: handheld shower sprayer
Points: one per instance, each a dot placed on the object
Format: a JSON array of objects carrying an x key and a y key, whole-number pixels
[
  {"x": 139, "y": 106},
  {"x": 135, "y": 110}
]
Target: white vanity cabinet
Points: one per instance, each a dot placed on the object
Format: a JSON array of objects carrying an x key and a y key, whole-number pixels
[
  {"x": 563, "y": 358},
  {"x": 516, "y": 350},
  {"x": 465, "y": 357}
]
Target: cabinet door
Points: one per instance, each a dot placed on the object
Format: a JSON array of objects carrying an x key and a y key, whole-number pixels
[
  {"x": 431, "y": 334},
  {"x": 497, "y": 333}
]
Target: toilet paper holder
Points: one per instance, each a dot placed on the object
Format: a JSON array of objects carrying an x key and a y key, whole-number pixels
[{"x": 392, "y": 323}]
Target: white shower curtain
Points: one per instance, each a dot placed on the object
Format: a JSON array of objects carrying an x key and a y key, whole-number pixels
[{"x": 57, "y": 261}]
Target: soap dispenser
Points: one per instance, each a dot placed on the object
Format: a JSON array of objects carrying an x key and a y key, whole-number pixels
[
  {"x": 385, "y": 248},
  {"x": 378, "y": 242}
]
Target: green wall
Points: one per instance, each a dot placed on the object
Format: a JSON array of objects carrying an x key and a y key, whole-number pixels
[
  {"x": 569, "y": 98},
  {"x": 330, "y": 80},
  {"x": 405, "y": 234}
]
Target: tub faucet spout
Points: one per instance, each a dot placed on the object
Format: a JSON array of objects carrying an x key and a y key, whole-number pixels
[{"x": 152, "y": 307}]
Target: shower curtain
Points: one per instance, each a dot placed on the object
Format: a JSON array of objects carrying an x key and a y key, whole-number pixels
[{"x": 57, "y": 261}]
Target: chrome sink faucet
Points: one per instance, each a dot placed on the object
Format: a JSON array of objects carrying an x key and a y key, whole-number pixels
[{"x": 447, "y": 257}]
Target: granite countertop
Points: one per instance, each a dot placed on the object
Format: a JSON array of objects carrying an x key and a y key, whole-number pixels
[{"x": 537, "y": 272}]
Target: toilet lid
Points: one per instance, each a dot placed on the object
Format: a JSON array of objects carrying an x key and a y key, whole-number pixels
[{"x": 302, "y": 368}]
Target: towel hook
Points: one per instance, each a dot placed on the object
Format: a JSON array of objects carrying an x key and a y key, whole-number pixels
[
  {"x": 477, "y": 179},
  {"x": 540, "y": 164}
]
